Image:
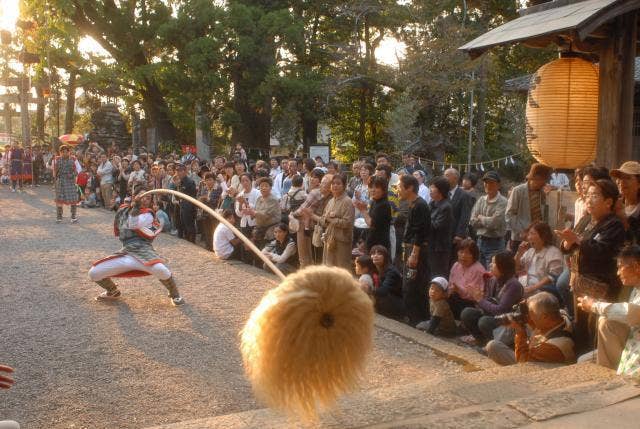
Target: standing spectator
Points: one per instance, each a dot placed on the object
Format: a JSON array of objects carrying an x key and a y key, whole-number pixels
[
  {"x": 559, "y": 181},
  {"x": 210, "y": 195},
  {"x": 319, "y": 194},
  {"x": 488, "y": 218},
  {"x": 469, "y": 182},
  {"x": 27, "y": 166},
  {"x": 282, "y": 250},
  {"x": 423, "y": 190},
  {"x": 137, "y": 177},
  {"x": 378, "y": 218},
  {"x": 275, "y": 168},
  {"x": 123, "y": 179},
  {"x": 245, "y": 203},
  {"x": 527, "y": 203},
  {"x": 503, "y": 291},
  {"x": 187, "y": 209},
  {"x": 462, "y": 203},
  {"x": 383, "y": 159},
  {"x": 278, "y": 182},
  {"x": 539, "y": 260},
  {"x": 105, "y": 175},
  {"x": 628, "y": 181},
  {"x": 38, "y": 166},
  {"x": 593, "y": 245},
  {"x": 415, "y": 256},
  {"x": 337, "y": 221},
  {"x": 355, "y": 180},
  {"x": 466, "y": 277},
  {"x": 16, "y": 156},
  {"x": 388, "y": 291},
  {"x": 441, "y": 231}
]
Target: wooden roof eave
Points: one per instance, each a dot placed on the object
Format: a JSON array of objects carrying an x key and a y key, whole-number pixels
[{"x": 594, "y": 27}]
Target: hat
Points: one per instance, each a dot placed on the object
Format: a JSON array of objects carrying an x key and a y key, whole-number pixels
[
  {"x": 440, "y": 281},
  {"x": 630, "y": 168},
  {"x": 539, "y": 170},
  {"x": 64, "y": 147},
  {"x": 491, "y": 176}
]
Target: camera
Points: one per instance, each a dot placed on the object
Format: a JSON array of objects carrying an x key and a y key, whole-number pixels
[{"x": 519, "y": 314}]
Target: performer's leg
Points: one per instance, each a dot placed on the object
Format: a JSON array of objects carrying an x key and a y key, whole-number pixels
[
  {"x": 74, "y": 213},
  {"x": 58, "y": 213},
  {"x": 102, "y": 272}
]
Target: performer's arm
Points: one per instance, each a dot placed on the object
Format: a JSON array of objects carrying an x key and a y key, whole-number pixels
[{"x": 145, "y": 225}]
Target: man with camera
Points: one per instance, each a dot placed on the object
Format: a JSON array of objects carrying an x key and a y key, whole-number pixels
[{"x": 550, "y": 340}]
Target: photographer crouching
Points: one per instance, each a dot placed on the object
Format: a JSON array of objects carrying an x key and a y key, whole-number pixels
[{"x": 551, "y": 339}]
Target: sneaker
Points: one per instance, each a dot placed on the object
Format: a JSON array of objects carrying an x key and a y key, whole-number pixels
[
  {"x": 174, "y": 232},
  {"x": 108, "y": 295},
  {"x": 58, "y": 220},
  {"x": 13, "y": 190},
  {"x": 423, "y": 326},
  {"x": 74, "y": 219},
  {"x": 178, "y": 300}
]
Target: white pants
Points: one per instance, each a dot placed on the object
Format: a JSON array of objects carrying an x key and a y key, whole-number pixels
[
  {"x": 392, "y": 241},
  {"x": 124, "y": 263}
]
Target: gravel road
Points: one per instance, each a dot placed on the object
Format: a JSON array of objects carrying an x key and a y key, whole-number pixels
[{"x": 137, "y": 362}]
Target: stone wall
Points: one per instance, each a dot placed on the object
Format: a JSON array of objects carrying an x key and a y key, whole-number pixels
[{"x": 109, "y": 126}]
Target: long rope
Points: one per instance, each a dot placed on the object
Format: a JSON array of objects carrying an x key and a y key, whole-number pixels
[{"x": 229, "y": 225}]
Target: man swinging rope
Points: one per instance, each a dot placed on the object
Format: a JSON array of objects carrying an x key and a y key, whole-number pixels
[{"x": 135, "y": 225}]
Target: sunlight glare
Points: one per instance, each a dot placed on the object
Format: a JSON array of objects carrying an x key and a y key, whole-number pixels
[{"x": 9, "y": 12}]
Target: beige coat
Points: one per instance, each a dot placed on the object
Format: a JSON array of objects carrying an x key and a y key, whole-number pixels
[{"x": 337, "y": 221}]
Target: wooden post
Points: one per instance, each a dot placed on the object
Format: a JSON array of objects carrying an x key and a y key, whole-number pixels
[
  {"x": 7, "y": 118},
  {"x": 24, "y": 111},
  {"x": 615, "y": 112}
]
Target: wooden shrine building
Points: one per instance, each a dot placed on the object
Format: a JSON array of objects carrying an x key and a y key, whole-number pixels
[{"x": 606, "y": 31}]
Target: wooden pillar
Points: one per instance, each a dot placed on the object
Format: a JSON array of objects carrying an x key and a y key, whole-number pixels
[
  {"x": 615, "y": 113},
  {"x": 8, "y": 112},
  {"x": 25, "y": 95}
]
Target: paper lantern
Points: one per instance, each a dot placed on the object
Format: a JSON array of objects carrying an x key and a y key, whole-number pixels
[{"x": 562, "y": 113}]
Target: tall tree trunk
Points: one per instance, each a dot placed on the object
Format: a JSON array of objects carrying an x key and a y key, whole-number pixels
[
  {"x": 157, "y": 112},
  {"x": 70, "y": 106},
  {"x": 362, "y": 119},
  {"x": 40, "y": 114},
  {"x": 481, "y": 113},
  {"x": 309, "y": 131},
  {"x": 254, "y": 128}
]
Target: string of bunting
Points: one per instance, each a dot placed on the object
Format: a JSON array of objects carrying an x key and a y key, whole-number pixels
[{"x": 474, "y": 166}]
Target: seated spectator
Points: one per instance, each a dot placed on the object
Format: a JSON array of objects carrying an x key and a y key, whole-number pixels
[
  {"x": 441, "y": 321},
  {"x": 266, "y": 213},
  {"x": 90, "y": 199},
  {"x": 366, "y": 271},
  {"x": 551, "y": 338},
  {"x": 282, "y": 250},
  {"x": 466, "y": 277},
  {"x": 388, "y": 291},
  {"x": 162, "y": 217},
  {"x": 539, "y": 260},
  {"x": 225, "y": 244},
  {"x": 503, "y": 291},
  {"x": 619, "y": 323}
]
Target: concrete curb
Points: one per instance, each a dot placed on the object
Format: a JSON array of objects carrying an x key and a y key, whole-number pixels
[{"x": 469, "y": 359}]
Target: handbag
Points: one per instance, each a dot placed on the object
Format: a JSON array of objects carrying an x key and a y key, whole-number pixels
[
  {"x": 294, "y": 224},
  {"x": 583, "y": 285},
  {"x": 316, "y": 239}
]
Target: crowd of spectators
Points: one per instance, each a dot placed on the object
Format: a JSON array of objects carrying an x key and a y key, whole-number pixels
[{"x": 438, "y": 252}]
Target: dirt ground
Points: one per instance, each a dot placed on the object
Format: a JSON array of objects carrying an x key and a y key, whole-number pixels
[{"x": 137, "y": 362}]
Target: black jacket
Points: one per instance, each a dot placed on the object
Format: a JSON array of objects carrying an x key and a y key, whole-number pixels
[
  {"x": 380, "y": 213},
  {"x": 418, "y": 223},
  {"x": 462, "y": 203},
  {"x": 441, "y": 232}
]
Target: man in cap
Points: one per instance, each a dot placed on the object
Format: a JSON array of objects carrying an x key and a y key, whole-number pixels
[
  {"x": 527, "y": 203},
  {"x": 488, "y": 220},
  {"x": 627, "y": 178}
]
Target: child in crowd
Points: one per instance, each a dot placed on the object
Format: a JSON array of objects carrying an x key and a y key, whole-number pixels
[
  {"x": 225, "y": 244},
  {"x": 90, "y": 199},
  {"x": 442, "y": 321},
  {"x": 366, "y": 270},
  {"x": 162, "y": 217},
  {"x": 4, "y": 177}
]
